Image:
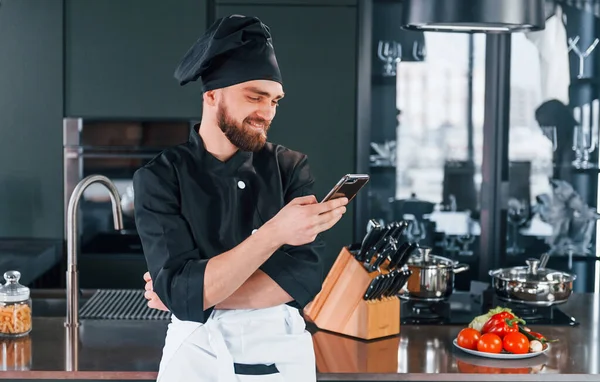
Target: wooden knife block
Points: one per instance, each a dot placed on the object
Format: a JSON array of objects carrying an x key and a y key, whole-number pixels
[{"x": 340, "y": 306}]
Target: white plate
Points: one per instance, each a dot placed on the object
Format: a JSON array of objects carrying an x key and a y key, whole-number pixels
[{"x": 502, "y": 355}]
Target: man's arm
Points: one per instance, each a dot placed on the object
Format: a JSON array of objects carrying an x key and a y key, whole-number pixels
[
  {"x": 259, "y": 291},
  {"x": 189, "y": 283}
]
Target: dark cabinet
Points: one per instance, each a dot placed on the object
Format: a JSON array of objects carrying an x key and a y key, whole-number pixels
[
  {"x": 31, "y": 106},
  {"x": 120, "y": 57},
  {"x": 316, "y": 51}
]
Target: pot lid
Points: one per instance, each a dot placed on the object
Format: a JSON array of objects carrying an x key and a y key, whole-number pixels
[
  {"x": 422, "y": 257},
  {"x": 501, "y": 16},
  {"x": 532, "y": 272}
]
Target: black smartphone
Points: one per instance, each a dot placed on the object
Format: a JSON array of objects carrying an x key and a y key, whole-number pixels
[{"x": 347, "y": 187}]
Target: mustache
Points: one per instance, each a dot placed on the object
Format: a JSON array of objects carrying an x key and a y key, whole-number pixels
[{"x": 259, "y": 121}]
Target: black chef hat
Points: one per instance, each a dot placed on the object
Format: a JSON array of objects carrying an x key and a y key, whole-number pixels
[{"x": 234, "y": 49}]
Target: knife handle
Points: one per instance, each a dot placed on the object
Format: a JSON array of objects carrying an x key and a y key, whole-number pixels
[{"x": 370, "y": 288}]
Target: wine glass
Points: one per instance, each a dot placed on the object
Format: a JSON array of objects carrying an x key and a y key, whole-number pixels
[
  {"x": 518, "y": 213},
  {"x": 584, "y": 143},
  {"x": 465, "y": 241},
  {"x": 389, "y": 52}
]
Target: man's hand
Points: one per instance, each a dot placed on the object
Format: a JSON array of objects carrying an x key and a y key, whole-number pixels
[
  {"x": 302, "y": 219},
  {"x": 153, "y": 300}
]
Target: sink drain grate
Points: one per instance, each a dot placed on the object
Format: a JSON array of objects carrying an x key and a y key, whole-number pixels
[{"x": 120, "y": 304}]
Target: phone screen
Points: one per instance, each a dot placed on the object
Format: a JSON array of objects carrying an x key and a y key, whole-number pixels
[{"x": 347, "y": 187}]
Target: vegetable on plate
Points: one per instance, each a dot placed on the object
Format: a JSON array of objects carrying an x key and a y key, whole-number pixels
[
  {"x": 490, "y": 343},
  {"x": 502, "y": 324},
  {"x": 516, "y": 343},
  {"x": 468, "y": 338},
  {"x": 501, "y": 331},
  {"x": 479, "y": 321},
  {"x": 533, "y": 336}
]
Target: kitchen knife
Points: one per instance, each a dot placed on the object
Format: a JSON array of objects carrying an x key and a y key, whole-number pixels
[
  {"x": 376, "y": 234},
  {"x": 372, "y": 224},
  {"x": 385, "y": 253},
  {"x": 393, "y": 280},
  {"x": 371, "y": 287},
  {"x": 396, "y": 257},
  {"x": 400, "y": 257},
  {"x": 375, "y": 248},
  {"x": 406, "y": 255},
  {"x": 370, "y": 238},
  {"x": 386, "y": 283},
  {"x": 402, "y": 279},
  {"x": 399, "y": 231},
  {"x": 378, "y": 287}
]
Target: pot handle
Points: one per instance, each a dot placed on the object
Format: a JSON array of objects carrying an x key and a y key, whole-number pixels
[{"x": 460, "y": 268}]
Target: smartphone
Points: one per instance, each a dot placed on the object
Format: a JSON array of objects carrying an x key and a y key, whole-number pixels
[{"x": 347, "y": 187}]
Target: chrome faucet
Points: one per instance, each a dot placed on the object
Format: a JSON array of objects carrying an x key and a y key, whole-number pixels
[{"x": 72, "y": 319}]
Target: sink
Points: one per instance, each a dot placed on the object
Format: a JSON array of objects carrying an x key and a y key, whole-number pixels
[{"x": 53, "y": 302}]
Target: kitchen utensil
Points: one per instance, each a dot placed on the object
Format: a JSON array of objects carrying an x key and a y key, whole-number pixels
[
  {"x": 502, "y": 355},
  {"x": 380, "y": 287},
  {"x": 372, "y": 223},
  {"x": 370, "y": 238},
  {"x": 399, "y": 280},
  {"x": 532, "y": 285},
  {"x": 386, "y": 252},
  {"x": 398, "y": 230},
  {"x": 396, "y": 257},
  {"x": 376, "y": 249},
  {"x": 432, "y": 276},
  {"x": 403, "y": 258},
  {"x": 371, "y": 288},
  {"x": 383, "y": 286}
]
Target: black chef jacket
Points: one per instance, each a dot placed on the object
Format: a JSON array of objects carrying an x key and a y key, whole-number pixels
[{"x": 190, "y": 206}]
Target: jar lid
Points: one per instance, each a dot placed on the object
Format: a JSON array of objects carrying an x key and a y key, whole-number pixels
[{"x": 12, "y": 291}]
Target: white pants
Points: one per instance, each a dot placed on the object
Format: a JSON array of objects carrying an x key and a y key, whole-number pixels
[{"x": 231, "y": 340}]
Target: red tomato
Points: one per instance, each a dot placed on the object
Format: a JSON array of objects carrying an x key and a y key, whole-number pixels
[
  {"x": 490, "y": 343},
  {"x": 516, "y": 343},
  {"x": 468, "y": 338}
]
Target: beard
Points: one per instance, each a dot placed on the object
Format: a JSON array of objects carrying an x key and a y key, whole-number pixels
[{"x": 243, "y": 136}]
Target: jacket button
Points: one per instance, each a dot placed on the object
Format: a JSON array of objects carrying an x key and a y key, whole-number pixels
[{"x": 241, "y": 185}]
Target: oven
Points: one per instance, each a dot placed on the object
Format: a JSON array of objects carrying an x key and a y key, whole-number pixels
[{"x": 115, "y": 149}]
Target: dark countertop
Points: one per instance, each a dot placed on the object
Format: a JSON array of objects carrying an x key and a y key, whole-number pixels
[
  {"x": 130, "y": 350},
  {"x": 32, "y": 257}
]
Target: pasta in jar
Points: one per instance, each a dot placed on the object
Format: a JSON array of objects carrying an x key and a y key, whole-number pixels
[{"x": 15, "y": 307}]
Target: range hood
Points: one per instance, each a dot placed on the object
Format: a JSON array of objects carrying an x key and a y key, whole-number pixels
[{"x": 492, "y": 16}]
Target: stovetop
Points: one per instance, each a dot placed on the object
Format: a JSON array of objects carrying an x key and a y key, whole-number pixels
[{"x": 462, "y": 307}]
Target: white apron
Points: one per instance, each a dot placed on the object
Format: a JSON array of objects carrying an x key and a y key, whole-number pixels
[{"x": 232, "y": 339}]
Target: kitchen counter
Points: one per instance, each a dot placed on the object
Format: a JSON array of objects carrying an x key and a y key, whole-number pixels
[{"x": 130, "y": 350}]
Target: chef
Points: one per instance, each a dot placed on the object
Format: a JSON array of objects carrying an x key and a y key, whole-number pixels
[{"x": 229, "y": 223}]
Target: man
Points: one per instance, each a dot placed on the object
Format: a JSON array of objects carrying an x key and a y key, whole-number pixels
[{"x": 229, "y": 225}]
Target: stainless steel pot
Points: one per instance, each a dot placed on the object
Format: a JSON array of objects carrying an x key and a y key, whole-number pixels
[
  {"x": 532, "y": 285},
  {"x": 432, "y": 276}
]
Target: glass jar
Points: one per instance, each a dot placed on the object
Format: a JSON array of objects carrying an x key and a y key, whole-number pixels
[{"x": 15, "y": 307}]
